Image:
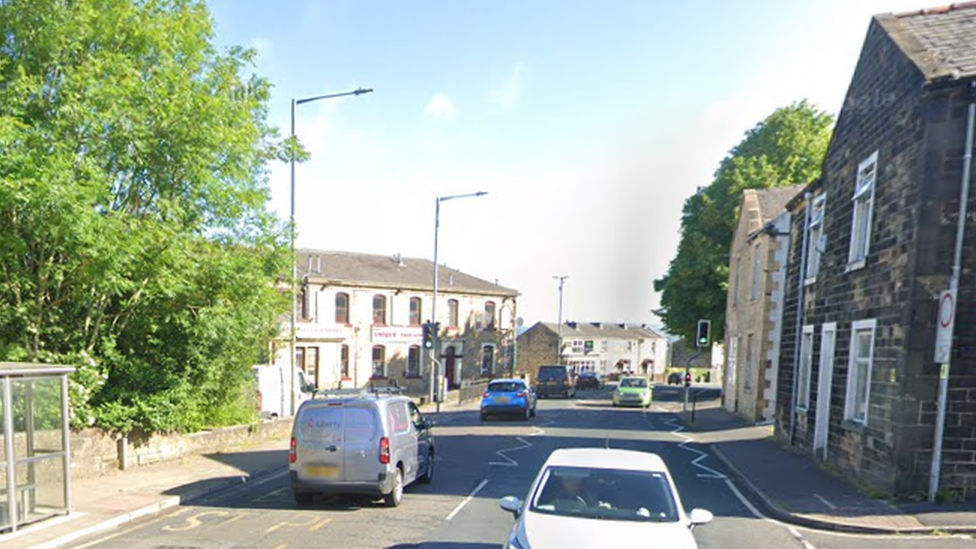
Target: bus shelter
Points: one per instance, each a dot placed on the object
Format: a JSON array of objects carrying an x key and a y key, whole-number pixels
[{"x": 35, "y": 481}]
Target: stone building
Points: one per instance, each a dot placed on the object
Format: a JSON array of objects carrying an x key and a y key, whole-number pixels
[
  {"x": 872, "y": 248},
  {"x": 360, "y": 317},
  {"x": 754, "y": 310},
  {"x": 593, "y": 346}
]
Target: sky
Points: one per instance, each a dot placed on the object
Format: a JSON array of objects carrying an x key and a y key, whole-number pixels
[{"x": 588, "y": 123}]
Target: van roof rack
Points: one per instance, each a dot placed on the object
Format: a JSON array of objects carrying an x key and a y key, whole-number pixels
[{"x": 363, "y": 391}]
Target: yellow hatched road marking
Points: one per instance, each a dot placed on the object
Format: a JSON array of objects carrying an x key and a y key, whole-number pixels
[
  {"x": 309, "y": 522},
  {"x": 194, "y": 521},
  {"x": 321, "y": 524}
]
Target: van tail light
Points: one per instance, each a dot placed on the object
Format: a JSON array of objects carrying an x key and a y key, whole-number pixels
[
  {"x": 520, "y": 394},
  {"x": 292, "y": 455},
  {"x": 384, "y": 450}
]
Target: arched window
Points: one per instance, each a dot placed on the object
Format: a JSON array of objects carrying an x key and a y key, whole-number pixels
[
  {"x": 413, "y": 361},
  {"x": 415, "y": 304},
  {"x": 452, "y": 312},
  {"x": 379, "y": 310},
  {"x": 379, "y": 361},
  {"x": 344, "y": 361},
  {"x": 487, "y": 360},
  {"x": 342, "y": 308},
  {"x": 489, "y": 315}
]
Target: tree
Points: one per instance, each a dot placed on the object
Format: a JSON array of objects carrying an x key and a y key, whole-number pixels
[
  {"x": 786, "y": 148},
  {"x": 133, "y": 191}
]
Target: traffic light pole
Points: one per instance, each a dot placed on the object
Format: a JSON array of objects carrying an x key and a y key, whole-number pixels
[{"x": 688, "y": 378}]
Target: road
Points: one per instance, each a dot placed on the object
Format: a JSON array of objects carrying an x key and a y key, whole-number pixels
[{"x": 479, "y": 463}]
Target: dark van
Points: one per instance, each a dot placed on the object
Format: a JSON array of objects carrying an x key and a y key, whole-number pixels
[{"x": 555, "y": 380}]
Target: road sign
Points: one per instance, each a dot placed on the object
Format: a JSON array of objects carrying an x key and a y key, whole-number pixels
[{"x": 944, "y": 325}]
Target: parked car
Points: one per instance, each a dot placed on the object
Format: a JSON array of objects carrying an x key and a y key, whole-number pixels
[
  {"x": 555, "y": 380},
  {"x": 589, "y": 380},
  {"x": 363, "y": 443},
  {"x": 598, "y": 497},
  {"x": 674, "y": 378},
  {"x": 633, "y": 391},
  {"x": 508, "y": 397},
  {"x": 273, "y": 398}
]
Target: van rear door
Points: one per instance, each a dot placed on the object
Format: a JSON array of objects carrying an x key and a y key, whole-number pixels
[
  {"x": 362, "y": 443},
  {"x": 319, "y": 429}
]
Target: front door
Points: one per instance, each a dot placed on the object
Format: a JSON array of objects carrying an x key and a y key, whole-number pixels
[
  {"x": 820, "y": 430},
  {"x": 449, "y": 365}
]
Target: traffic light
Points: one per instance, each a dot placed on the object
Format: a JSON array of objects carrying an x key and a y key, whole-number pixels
[
  {"x": 701, "y": 334},
  {"x": 430, "y": 333},
  {"x": 687, "y": 379}
]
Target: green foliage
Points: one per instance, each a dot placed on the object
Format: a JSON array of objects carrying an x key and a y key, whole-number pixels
[
  {"x": 786, "y": 148},
  {"x": 133, "y": 193}
]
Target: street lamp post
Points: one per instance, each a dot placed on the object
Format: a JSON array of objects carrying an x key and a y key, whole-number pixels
[
  {"x": 294, "y": 259},
  {"x": 435, "y": 367},
  {"x": 559, "y": 326}
]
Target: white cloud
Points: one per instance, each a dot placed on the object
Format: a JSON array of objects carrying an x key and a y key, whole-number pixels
[
  {"x": 263, "y": 45},
  {"x": 510, "y": 93},
  {"x": 440, "y": 106}
]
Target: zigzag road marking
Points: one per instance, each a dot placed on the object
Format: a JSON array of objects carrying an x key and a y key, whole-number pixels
[
  {"x": 710, "y": 473},
  {"x": 509, "y": 462}
]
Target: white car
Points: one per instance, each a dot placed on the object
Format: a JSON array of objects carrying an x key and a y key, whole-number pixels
[{"x": 595, "y": 498}]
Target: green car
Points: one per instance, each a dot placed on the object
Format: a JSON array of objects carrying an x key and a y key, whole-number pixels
[{"x": 633, "y": 391}]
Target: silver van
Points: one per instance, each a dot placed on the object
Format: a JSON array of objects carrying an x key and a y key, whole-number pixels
[{"x": 365, "y": 443}]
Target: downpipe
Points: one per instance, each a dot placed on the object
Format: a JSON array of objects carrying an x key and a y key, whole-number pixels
[
  {"x": 798, "y": 339},
  {"x": 943, "y": 394}
]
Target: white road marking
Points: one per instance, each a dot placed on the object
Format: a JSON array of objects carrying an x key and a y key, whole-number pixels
[
  {"x": 467, "y": 499},
  {"x": 503, "y": 454},
  {"x": 758, "y": 514},
  {"x": 824, "y": 501},
  {"x": 710, "y": 473}
]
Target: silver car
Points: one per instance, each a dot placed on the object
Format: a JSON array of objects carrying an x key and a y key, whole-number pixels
[{"x": 364, "y": 444}]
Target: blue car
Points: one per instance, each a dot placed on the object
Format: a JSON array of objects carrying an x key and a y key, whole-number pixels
[{"x": 508, "y": 397}]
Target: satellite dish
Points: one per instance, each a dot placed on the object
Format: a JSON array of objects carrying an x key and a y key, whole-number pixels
[{"x": 518, "y": 322}]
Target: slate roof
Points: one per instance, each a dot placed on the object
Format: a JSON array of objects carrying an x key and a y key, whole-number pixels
[
  {"x": 390, "y": 271},
  {"x": 772, "y": 201},
  {"x": 940, "y": 41},
  {"x": 606, "y": 330}
]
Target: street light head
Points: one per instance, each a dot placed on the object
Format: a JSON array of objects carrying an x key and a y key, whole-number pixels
[
  {"x": 361, "y": 91},
  {"x": 481, "y": 193}
]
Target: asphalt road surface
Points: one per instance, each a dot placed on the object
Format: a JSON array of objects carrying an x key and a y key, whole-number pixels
[{"x": 478, "y": 463}]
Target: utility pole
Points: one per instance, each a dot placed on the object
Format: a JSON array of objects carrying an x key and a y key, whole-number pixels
[{"x": 559, "y": 345}]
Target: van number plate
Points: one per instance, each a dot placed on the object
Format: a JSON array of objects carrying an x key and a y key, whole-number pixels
[{"x": 327, "y": 471}]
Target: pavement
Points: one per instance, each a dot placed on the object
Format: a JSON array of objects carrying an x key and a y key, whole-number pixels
[
  {"x": 784, "y": 484},
  {"x": 792, "y": 486}
]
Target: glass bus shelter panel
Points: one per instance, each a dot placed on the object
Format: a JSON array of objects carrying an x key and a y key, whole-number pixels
[
  {"x": 39, "y": 454},
  {"x": 4, "y": 492},
  {"x": 44, "y": 497}
]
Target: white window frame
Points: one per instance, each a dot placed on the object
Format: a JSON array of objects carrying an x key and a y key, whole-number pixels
[
  {"x": 805, "y": 373},
  {"x": 815, "y": 237},
  {"x": 867, "y": 177},
  {"x": 756, "y": 270},
  {"x": 491, "y": 367},
  {"x": 851, "y": 413}
]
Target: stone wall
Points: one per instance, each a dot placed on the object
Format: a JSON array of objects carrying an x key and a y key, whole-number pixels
[
  {"x": 95, "y": 453},
  {"x": 884, "y": 112}
]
